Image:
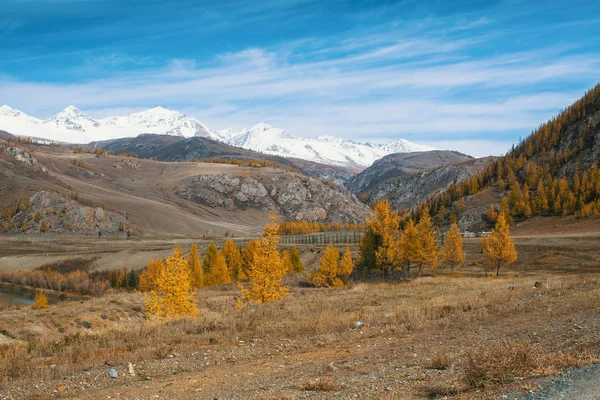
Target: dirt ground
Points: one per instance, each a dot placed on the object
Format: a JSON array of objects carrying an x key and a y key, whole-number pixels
[{"x": 396, "y": 340}]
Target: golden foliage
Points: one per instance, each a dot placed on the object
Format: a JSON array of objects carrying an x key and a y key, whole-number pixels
[
  {"x": 210, "y": 258},
  {"x": 295, "y": 260},
  {"x": 151, "y": 275},
  {"x": 452, "y": 251},
  {"x": 286, "y": 259},
  {"x": 428, "y": 248},
  {"x": 346, "y": 266},
  {"x": 219, "y": 273},
  {"x": 499, "y": 249},
  {"x": 327, "y": 274},
  {"x": 410, "y": 246},
  {"x": 173, "y": 296},
  {"x": 255, "y": 163},
  {"x": 248, "y": 256},
  {"x": 40, "y": 300},
  {"x": 233, "y": 258},
  {"x": 195, "y": 266},
  {"x": 304, "y": 227},
  {"x": 383, "y": 228},
  {"x": 266, "y": 270}
]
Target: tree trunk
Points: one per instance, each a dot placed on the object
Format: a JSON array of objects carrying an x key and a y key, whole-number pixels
[
  {"x": 420, "y": 267},
  {"x": 498, "y": 270}
]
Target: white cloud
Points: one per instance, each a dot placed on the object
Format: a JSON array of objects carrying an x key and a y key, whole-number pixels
[{"x": 370, "y": 88}]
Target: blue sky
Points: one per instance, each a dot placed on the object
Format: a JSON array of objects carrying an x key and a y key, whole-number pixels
[{"x": 468, "y": 75}]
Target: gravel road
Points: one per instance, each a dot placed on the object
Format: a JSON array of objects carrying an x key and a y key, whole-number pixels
[{"x": 579, "y": 384}]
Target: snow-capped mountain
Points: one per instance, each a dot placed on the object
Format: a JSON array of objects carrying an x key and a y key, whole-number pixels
[
  {"x": 160, "y": 120},
  {"x": 324, "y": 149},
  {"x": 73, "y": 126}
]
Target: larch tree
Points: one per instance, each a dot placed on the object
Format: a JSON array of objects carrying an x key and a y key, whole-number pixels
[
  {"x": 491, "y": 214},
  {"x": 219, "y": 273},
  {"x": 233, "y": 258},
  {"x": 209, "y": 258},
  {"x": 286, "y": 259},
  {"x": 409, "y": 246},
  {"x": 346, "y": 266},
  {"x": 173, "y": 296},
  {"x": 428, "y": 248},
  {"x": 248, "y": 256},
  {"x": 297, "y": 265},
  {"x": 195, "y": 265},
  {"x": 151, "y": 275},
  {"x": 452, "y": 251},
  {"x": 379, "y": 244},
  {"x": 266, "y": 270},
  {"x": 327, "y": 274},
  {"x": 499, "y": 249}
]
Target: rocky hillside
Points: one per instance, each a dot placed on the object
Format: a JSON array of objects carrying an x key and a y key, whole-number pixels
[
  {"x": 52, "y": 212},
  {"x": 294, "y": 196},
  {"x": 408, "y": 190},
  {"x": 173, "y": 148},
  {"x": 399, "y": 165},
  {"x": 408, "y": 179}
]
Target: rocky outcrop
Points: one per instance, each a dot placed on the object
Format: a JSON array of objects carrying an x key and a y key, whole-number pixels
[
  {"x": 294, "y": 196},
  {"x": 49, "y": 211},
  {"x": 22, "y": 155}
]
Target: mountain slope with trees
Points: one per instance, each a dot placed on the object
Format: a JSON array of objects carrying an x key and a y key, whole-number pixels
[{"x": 554, "y": 171}]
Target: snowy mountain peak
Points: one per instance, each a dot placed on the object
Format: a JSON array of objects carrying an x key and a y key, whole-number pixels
[
  {"x": 73, "y": 119},
  {"x": 74, "y": 126}
]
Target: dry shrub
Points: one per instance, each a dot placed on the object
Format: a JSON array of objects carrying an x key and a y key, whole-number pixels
[
  {"x": 321, "y": 385},
  {"x": 14, "y": 362},
  {"x": 440, "y": 362},
  {"x": 504, "y": 362}
]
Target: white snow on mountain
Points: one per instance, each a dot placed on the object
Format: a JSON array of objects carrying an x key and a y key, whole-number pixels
[
  {"x": 324, "y": 149},
  {"x": 73, "y": 126}
]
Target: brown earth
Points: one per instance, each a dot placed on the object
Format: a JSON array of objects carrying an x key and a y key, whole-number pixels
[{"x": 406, "y": 340}]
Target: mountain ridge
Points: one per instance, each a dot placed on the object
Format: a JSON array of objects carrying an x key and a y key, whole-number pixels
[{"x": 71, "y": 125}]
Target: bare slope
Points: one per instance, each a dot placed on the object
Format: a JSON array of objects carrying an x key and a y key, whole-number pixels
[{"x": 146, "y": 192}]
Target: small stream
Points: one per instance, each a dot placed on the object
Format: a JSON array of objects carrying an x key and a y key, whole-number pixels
[{"x": 15, "y": 295}]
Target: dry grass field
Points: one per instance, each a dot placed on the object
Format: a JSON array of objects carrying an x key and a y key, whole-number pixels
[{"x": 467, "y": 337}]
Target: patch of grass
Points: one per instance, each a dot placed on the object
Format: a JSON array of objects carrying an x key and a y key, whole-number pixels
[
  {"x": 505, "y": 362},
  {"x": 321, "y": 385}
]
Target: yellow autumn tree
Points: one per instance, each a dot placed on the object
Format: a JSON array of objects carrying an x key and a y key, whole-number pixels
[
  {"x": 248, "y": 256},
  {"x": 499, "y": 249},
  {"x": 233, "y": 258},
  {"x": 452, "y": 250},
  {"x": 219, "y": 273},
  {"x": 286, "y": 259},
  {"x": 195, "y": 266},
  {"x": 151, "y": 275},
  {"x": 327, "y": 274},
  {"x": 209, "y": 258},
  {"x": 173, "y": 296},
  {"x": 266, "y": 270},
  {"x": 297, "y": 265},
  {"x": 379, "y": 243},
  {"x": 409, "y": 248},
  {"x": 428, "y": 248},
  {"x": 386, "y": 225},
  {"x": 40, "y": 300},
  {"x": 346, "y": 266}
]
